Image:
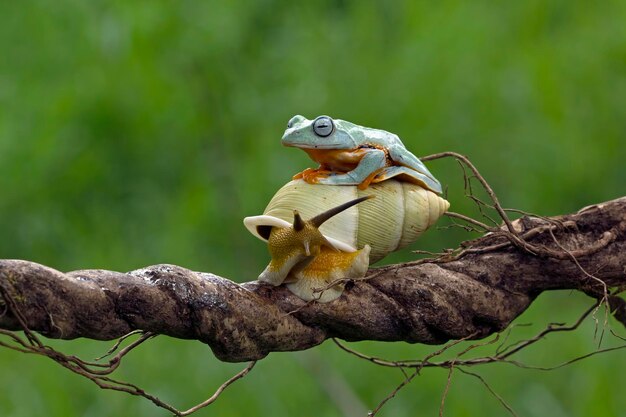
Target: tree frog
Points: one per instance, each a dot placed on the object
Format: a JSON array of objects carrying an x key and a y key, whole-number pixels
[{"x": 350, "y": 154}]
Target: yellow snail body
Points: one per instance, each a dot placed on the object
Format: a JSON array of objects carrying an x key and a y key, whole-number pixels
[{"x": 394, "y": 218}]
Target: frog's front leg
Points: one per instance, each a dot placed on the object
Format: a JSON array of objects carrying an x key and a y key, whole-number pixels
[{"x": 371, "y": 162}]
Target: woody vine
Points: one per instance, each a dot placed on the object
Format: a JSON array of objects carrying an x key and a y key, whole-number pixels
[{"x": 471, "y": 292}]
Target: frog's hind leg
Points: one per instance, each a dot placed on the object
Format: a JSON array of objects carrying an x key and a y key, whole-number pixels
[
  {"x": 409, "y": 164},
  {"x": 409, "y": 175}
]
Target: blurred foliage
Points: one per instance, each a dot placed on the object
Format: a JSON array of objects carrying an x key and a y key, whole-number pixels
[{"x": 135, "y": 133}]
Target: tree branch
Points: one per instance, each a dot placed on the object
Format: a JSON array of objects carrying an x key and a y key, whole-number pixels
[{"x": 471, "y": 295}]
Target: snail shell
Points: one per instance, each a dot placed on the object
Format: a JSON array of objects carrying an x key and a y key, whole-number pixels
[{"x": 394, "y": 219}]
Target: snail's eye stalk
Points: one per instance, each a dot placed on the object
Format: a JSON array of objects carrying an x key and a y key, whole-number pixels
[
  {"x": 298, "y": 223},
  {"x": 322, "y": 217}
]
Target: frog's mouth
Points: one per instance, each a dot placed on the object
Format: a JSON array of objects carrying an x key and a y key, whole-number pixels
[{"x": 309, "y": 146}]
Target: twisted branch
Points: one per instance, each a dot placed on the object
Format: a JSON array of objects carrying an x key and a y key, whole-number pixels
[
  {"x": 473, "y": 296},
  {"x": 461, "y": 294}
]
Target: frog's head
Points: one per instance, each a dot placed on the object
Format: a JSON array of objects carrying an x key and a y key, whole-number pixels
[{"x": 321, "y": 133}]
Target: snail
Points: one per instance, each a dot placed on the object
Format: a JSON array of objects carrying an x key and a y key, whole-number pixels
[
  {"x": 305, "y": 259},
  {"x": 398, "y": 214}
]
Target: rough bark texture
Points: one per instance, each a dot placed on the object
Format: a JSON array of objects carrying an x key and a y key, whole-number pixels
[{"x": 478, "y": 294}]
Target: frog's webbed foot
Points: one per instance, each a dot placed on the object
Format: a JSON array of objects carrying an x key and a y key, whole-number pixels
[
  {"x": 300, "y": 175},
  {"x": 312, "y": 176},
  {"x": 406, "y": 174},
  {"x": 371, "y": 178}
]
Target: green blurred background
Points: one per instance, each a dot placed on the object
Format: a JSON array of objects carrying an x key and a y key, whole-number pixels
[{"x": 136, "y": 133}]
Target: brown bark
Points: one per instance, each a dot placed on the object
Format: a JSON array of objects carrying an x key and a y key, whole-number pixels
[{"x": 477, "y": 294}]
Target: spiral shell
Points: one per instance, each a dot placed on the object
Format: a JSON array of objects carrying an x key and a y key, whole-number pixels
[{"x": 394, "y": 219}]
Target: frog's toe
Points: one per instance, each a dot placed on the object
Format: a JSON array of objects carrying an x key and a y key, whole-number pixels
[
  {"x": 305, "y": 175},
  {"x": 316, "y": 176},
  {"x": 371, "y": 178}
]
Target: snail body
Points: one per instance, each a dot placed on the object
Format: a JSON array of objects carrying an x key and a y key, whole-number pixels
[
  {"x": 305, "y": 259},
  {"x": 315, "y": 281}
]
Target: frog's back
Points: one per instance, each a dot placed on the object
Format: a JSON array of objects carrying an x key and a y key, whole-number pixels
[
  {"x": 369, "y": 136},
  {"x": 408, "y": 166}
]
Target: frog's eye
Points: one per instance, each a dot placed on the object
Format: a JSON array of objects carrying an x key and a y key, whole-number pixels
[
  {"x": 295, "y": 119},
  {"x": 323, "y": 126}
]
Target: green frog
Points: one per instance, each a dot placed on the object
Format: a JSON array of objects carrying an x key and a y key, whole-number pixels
[{"x": 350, "y": 154}]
